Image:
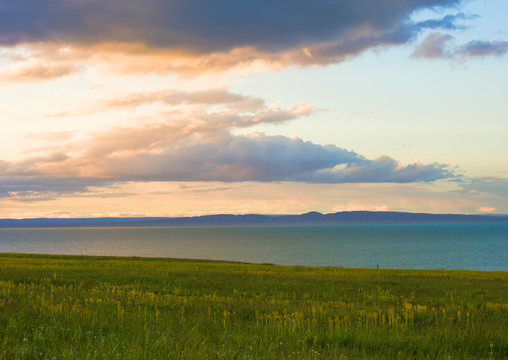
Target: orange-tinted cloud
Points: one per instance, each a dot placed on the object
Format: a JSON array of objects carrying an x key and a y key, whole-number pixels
[
  {"x": 218, "y": 156},
  {"x": 34, "y": 71},
  {"x": 235, "y": 102},
  {"x": 197, "y": 143},
  {"x": 486, "y": 209},
  {"x": 194, "y": 37}
]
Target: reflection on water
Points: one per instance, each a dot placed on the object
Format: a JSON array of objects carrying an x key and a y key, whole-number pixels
[{"x": 450, "y": 246}]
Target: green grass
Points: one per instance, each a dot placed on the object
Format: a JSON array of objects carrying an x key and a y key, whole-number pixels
[{"x": 71, "y": 307}]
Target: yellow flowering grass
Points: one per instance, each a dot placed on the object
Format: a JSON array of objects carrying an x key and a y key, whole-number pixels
[{"x": 72, "y": 307}]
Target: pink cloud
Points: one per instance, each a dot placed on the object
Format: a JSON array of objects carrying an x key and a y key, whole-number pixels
[
  {"x": 354, "y": 206},
  {"x": 486, "y": 209}
]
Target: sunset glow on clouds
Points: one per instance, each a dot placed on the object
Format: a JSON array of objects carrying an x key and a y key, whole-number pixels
[{"x": 157, "y": 108}]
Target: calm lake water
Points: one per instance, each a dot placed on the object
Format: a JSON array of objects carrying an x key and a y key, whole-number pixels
[{"x": 429, "y": 246}]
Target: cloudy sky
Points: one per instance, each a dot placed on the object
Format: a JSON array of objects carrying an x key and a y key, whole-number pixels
[{"x": 190, "y": 107}]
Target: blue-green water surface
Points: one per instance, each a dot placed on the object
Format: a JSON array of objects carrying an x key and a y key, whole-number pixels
[{"x": 472, "y": 246}]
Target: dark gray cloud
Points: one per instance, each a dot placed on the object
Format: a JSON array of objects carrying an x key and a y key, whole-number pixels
[
  {"x": 480, "y": 48},
  {"x": 204, "y": 26},
  {"x": 448, "y": 22},
  {"x": 46, "y": 187},
  {"x": 217, "y": 156},
  {"x": 221, "y": 156},
  {"x": 485, "y": 185},
  {"x": 383, "y": 170},
  {"x": 437, "y": 46}
]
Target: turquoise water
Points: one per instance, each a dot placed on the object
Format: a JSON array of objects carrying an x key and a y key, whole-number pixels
[{"x": 429, "y": 246}]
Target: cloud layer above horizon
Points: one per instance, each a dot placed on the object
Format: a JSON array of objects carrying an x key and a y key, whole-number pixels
[{"x": 196, "y": 143}]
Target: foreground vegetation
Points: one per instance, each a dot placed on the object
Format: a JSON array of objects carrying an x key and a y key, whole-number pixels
[{"x": 63, "y": 307}]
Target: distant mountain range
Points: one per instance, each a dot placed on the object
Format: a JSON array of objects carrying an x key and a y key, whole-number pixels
[{"x": 310, "y": 218}]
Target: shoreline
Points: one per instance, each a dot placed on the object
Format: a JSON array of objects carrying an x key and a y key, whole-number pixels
[{"x": 188, "y": 260}]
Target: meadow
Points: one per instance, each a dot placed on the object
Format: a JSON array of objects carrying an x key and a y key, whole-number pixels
[{"x": 74, "y": 307}]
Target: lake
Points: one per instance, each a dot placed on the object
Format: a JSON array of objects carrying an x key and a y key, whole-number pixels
[{"x": 475, "y": 246}]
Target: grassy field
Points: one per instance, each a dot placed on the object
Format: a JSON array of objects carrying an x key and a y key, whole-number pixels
[{"x": 63, "y": 307}]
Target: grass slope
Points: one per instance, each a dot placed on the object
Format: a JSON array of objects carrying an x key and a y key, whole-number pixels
[{"x": 65, "y": 307}]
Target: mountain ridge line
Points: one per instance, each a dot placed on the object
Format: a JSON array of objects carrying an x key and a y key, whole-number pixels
[{"x": 309, "y": 218}]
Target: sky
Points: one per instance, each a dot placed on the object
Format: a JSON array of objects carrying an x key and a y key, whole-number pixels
[{"x": 184, "y": 108}]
